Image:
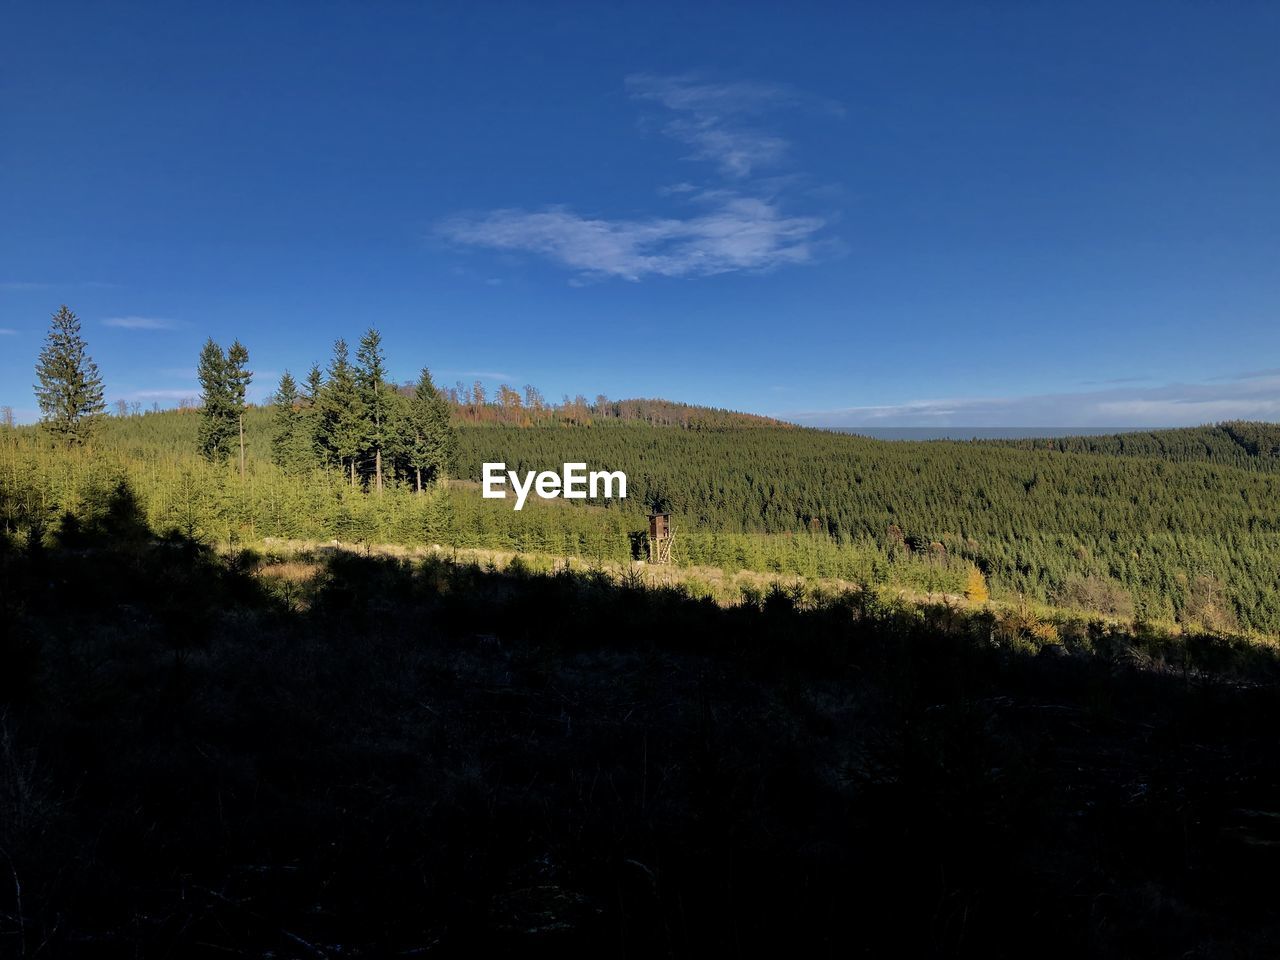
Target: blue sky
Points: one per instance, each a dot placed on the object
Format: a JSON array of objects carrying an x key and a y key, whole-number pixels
[{"x": 1006, "y": 214}]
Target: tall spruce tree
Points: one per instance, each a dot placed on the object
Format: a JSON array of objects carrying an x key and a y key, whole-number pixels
[
  {"x": 217, "y": 408},
  {"x": 446, "y": 438},
  {"x": 290, "y": 444},
  {"x": 314, "y": 384},
  {"x": 312, "y": 394},
  {"x": 432, "y": 446},
  {"x": 70, "y": 388},
  {"x": 340, "y": 420},
  {"x": 374, "y": 391},
  {"x": 397, "y": 434},
  {"x": 239, "y": 376}
]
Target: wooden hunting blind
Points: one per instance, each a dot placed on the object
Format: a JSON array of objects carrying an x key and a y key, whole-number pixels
[{"x": 660, "y": 538}]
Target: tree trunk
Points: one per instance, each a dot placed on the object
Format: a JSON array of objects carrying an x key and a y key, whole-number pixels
[
  {"x": 242, "y": 446},
  {"x": 377, "y": 467},
  {"x": 353, "y": 473},
  {"x": 418, "y": 471}
]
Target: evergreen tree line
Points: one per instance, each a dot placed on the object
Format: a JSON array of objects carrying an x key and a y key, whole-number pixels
[{"x": 349, "y": 417}]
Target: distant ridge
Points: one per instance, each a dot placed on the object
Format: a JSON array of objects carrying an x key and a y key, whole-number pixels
[
  {"x": 982, "y": 433},
  {"x": 1240, "y": 443},
  {"x": 511, "y": 409}
]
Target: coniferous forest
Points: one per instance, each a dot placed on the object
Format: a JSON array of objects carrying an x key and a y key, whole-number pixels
[
  {"x": 1178, "y": 526},
  {"x": 277, "y": 681}
]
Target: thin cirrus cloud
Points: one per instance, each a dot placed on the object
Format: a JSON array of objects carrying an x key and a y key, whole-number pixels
[
  {"x": 141, "y": 323},
  {"x": 739, "y": 224},
  {"x": 712, "y": 118},
  {"x": 1173, "y": 404},
  {"x": 1252, "y": 374},
  {"x": 8, "y": 332},
  {"x": 742, "y": 233}
]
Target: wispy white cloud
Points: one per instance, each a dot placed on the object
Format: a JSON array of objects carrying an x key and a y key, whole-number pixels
[
  {"x": 738, "y": 224},
  {"x": 741, "y": 233},
  {"x": 141, "y": 323},
  {"x": 720, "y": 120},
  {"x": 1173, "y": 404},
  {"x": 8, "y": 332},
  {"x": 689, "y": 93},
  {"x": 738, "y": 152},
  {"x": 1252, "y": 374},
  {"x": 709, "y": 118},
  {"x": 22, "y": 285}
]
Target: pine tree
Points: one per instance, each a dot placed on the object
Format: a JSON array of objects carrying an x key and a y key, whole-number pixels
[
  {"x": 238, "y": 379},
  {"x": 70, "y": 388},
  {"x": 217, "y": 410},
  {"x": 374, "y": 392}
]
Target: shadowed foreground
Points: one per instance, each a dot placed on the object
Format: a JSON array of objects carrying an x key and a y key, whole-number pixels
[{"x": 353, "y": 756}]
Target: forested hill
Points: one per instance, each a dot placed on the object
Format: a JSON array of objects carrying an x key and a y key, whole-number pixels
[
  {"x": 1123, "y": 535},
  {"x": 1238, "y": 443},
  {"x": 1038, "y": 523},
  {"x": 514, "y": 408}
]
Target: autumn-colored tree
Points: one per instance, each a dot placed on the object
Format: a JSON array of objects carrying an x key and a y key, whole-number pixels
[
  {"x": 975, "y": 589},
  {"x": 1206, "y": 605}
]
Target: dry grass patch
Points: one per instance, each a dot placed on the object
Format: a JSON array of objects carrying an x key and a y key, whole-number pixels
[{"x": 296, "y": 571}]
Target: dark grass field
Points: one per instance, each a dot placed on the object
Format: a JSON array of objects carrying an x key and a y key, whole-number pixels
[{"x": 372, "y": 758}]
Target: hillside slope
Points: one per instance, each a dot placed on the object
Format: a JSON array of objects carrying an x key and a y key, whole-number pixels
[
  {"x": 1126, "y": 535},
  {"x": 1252, "y": 445},
  {"x": 1185, "y": 539}
]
